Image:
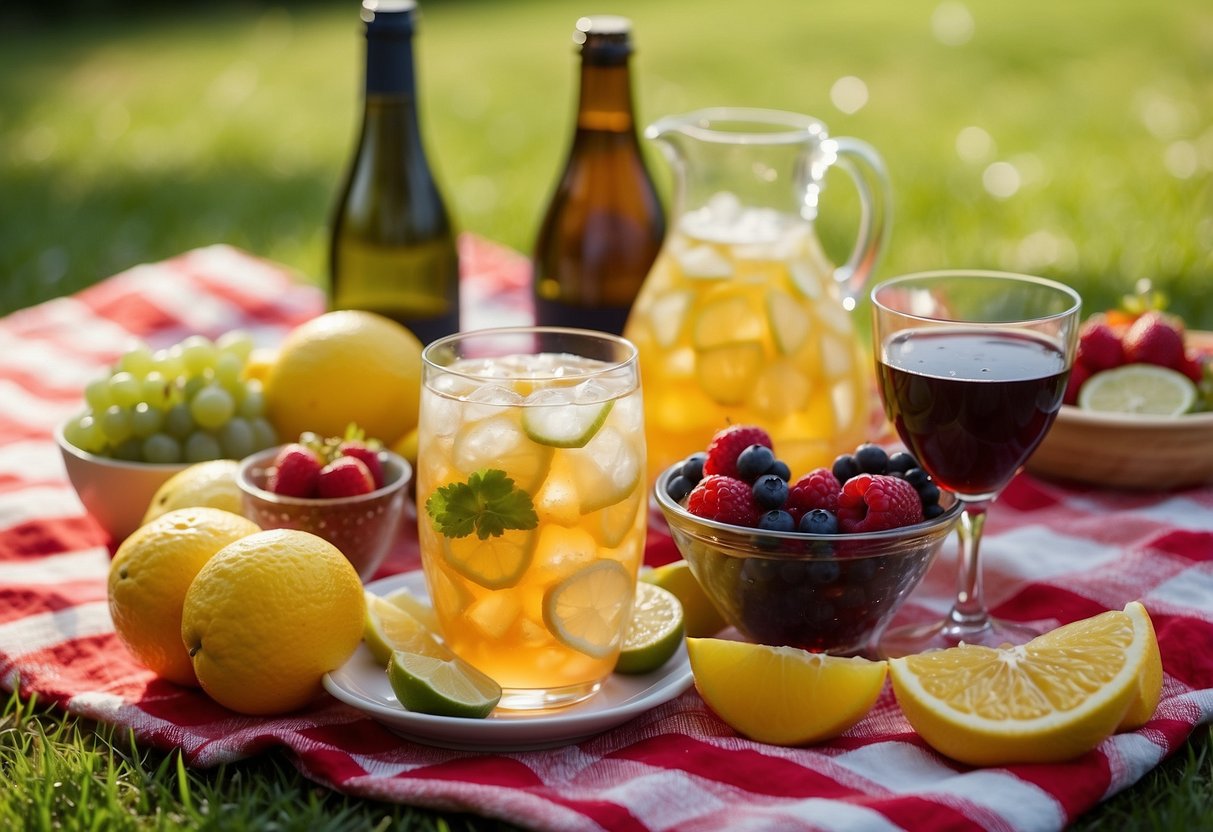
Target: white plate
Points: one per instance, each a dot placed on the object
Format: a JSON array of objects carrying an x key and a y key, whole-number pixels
[{"x": 362, "y": 683}]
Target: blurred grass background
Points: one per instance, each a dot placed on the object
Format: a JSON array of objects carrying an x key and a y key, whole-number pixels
[{"x": 1073, "y": 139}]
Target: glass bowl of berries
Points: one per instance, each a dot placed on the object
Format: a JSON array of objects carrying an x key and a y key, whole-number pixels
[
  {"x": 821, "y": 561},
  {"x": 349, "y": 491}
]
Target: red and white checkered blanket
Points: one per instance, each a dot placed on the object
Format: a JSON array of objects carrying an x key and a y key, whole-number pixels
[{"x": 1052, "y": 553}]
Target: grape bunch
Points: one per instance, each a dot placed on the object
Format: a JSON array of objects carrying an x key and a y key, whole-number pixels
[{"x": 187, "y": 403}]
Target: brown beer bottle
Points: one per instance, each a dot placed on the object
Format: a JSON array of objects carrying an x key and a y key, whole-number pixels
[
  {"x": 604, "y": 224},
  {"x": 392, "y": 249}
]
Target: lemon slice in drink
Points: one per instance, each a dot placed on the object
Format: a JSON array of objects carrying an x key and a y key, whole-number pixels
[
  {"x": 726, "y": 374},
  {"x": 1052, "y": 699},
  {"x": 494, "y": 563},
  {"x": 586, "y": 610},
  {"x": 783, "y": 695},
  {"x": 700, "y": 616},
  {"x": 389, "y": 628},
  {"x": 444, "y": 687},
  {"x": 654, "y": 632},
  {"x": 563, "y": 424},
  {"x": 1144, "y": 389}
]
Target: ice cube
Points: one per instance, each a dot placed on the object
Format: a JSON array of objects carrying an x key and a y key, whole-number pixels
[{"x": 703, "y": 262}]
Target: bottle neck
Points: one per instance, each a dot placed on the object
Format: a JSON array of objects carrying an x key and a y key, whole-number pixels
[
  {"x": 605, "y": 103},
  {"x": 389, "y": 65}
]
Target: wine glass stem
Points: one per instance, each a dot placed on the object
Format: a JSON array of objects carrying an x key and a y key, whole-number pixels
[{"x": 969, "y": 614}]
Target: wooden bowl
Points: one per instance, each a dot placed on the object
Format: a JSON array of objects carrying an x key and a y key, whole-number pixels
[{"x": 1140, "y": 453}]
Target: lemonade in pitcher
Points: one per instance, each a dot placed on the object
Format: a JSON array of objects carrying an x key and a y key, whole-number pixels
[
  {"x": 743, "y": 319},
  {"x": 531, "y": 502}
]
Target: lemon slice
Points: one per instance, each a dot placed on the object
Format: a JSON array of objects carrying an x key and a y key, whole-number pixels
[
  {"x": 494, "y": 563},
  {"x": 564, "y": 425},
  {"x": 1052, "y": 699},
  {"x": 587, "y": 610},
  {"x": 389, "y": 628},
  {"x": 788, "y": 321},
  {"x": 700, "y": 616},
  {"x": 418, "y": 608},
  {"x": 654, "y": 631},
  {"x": 444, "y": 687},
  {"x": 783, "y": 695},
  {"x": 727, "y": 318},
  {"x": 1144, "y": 389},
  {"x": 500, "y": 442}
]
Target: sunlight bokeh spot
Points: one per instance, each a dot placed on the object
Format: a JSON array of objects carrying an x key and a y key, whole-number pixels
[
  {"x": 1001, "y": 180},
  {"x": 974, "y": 144},
  {"x": 1181, "y": 159},
  {"x": 952, "y": 23},
  {"x": 849, "y": 94}
]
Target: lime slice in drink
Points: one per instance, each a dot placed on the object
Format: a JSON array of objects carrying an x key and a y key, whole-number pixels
[
  {"x": 788, "y": 321},
  {"x": 388, "y": 628},
  {"x": 1144, "y": 389},
  {"x": 586, "y": 611},
  {"x": 443, "y": 687},
  {"x": 563, "y": 424},
  {"x": 500, "y": 442},
  {"x": 654, "y": 633},
  {"x": 494, "y": 563}
]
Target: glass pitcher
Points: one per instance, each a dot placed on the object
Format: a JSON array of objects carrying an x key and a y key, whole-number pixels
[{"x": 743, "y": 319}]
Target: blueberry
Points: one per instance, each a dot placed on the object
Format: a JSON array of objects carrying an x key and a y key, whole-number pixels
[
  {"x": 932, "y": 511},
  {"x": 770, "y": 491},
  {"x": 777, "y": 521},
  {"x": 871, "y": 459},
  {"x": 917, "y": 478},
  {"x": 900, "y": 462},
  {"x": 819, "y": 521},
  {"x": 678, "y": 488},
  {"x": 929, "y": 494},
  {"x": 754, "y": 461},
  {"x": 824, "y": 571},
  {"x": 845, "y": 467},
  {"x": 780, "y": 469},
  {"x": 692, "y": 467}
]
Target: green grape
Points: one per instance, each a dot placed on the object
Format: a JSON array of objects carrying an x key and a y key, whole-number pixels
[
  {"x": 97, "y": 394},
  {"x": 146, "y": 420},
  {"x": 138, "y": 361},
  {"x": 198, "y": 354},
  {"x": 192, "y": 386},
  {"x": 237, "y": 438},
  {"x": 201, "y": 446},
  {"x": 85, "y": 434},
  {"x": 179, "y": 422},
  {"x": 125, "y": 389},
  {"x": 227, "y": 370},
  {"x": 115, "y": 424},
  {"x": 212, "y": 406},
  {"x": 129, "y": 450},
  {"x": 252, "y": 403},
  {"x": 237, "y": 342},
  {"x": 157, "y": 390},
  {"x": 264, "y": 435},
  {"x": 169, "y": 362},
  {"x": 161, "y": 448}
]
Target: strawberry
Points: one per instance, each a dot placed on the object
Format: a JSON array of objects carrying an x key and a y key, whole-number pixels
[
  {"x": 1079, "y": 374},
  {"x": 875, "y": 502},
  {"x": 724, "y": 499},
  {"x": 294, "y": 471},
  {"x": 1099, "y": 347},
  {"x": 1155, "y": 338},
  {"x": 817, "y": 489},
  {"x": 367, "y": 455},
  {"x": 1192, "y": 366},
  {"x": 728, "y": 444},
  {"x": 345, "y": 476}
]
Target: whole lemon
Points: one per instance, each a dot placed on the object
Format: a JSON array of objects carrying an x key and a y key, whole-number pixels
[
  {"x": 342, "y": 367},
  {"x": 150, "y": 574},
  {"x": 204, "y": 484},
  {"x": 268, "y": 616}
]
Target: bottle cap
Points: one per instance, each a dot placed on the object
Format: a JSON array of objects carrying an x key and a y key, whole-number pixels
[
  {"x": 389, "y": 16},
  {"x": 604, "y": 38}
]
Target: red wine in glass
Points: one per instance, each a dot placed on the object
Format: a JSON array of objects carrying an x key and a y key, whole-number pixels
[{"x": 971, "y": 405}]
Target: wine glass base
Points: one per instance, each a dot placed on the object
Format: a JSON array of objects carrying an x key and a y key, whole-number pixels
[{"x": 939, "y": 635}]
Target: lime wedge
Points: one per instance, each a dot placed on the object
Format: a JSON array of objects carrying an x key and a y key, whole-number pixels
[
  {"x": 563, "y": 424},
  {"x": 388, "y": 628},
  {"x": 1143, "y": 389},
  {"x": 494, "y": 563},
  {"x": 443, "y": 687},
  {"x": 587, "y": 610},
  {"x": 701, "y": 618},
  {"x": 654, "y": 633}
]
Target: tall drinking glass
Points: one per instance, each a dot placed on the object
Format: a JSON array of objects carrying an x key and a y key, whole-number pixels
[
  {"x": 531, "y": 494},
  {"x": 972, "y": 367}
]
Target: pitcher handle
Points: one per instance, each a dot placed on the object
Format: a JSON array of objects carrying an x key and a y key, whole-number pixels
[{"x": 865, "y": 166}]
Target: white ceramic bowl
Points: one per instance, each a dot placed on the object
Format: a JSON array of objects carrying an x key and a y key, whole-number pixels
[{"x": 114, "y": 492}]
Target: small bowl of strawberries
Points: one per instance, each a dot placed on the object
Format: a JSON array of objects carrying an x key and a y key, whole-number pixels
[
  {"x": 821, "y": 560},
  {"x": 348, "y": 490}
]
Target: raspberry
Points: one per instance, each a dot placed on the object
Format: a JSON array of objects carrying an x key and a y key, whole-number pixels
[
  {"x": 817, "y": 489},
  {"x": 1099, "y": 347},
  {"x": 728, "y": 444},
  {"x": 873, "y": 502},
  {"x": 346, "y": 476},
  {"x": 724, "y": 499},
  {"x": 294, "y": 472},
  {"x": 1154, "y": 339}
]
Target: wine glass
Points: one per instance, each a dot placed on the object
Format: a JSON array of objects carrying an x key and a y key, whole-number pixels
[{"x": 972, "y": 367}]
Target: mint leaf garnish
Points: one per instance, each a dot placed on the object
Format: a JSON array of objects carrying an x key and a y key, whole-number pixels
[{"x": 487, "y": 504}]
